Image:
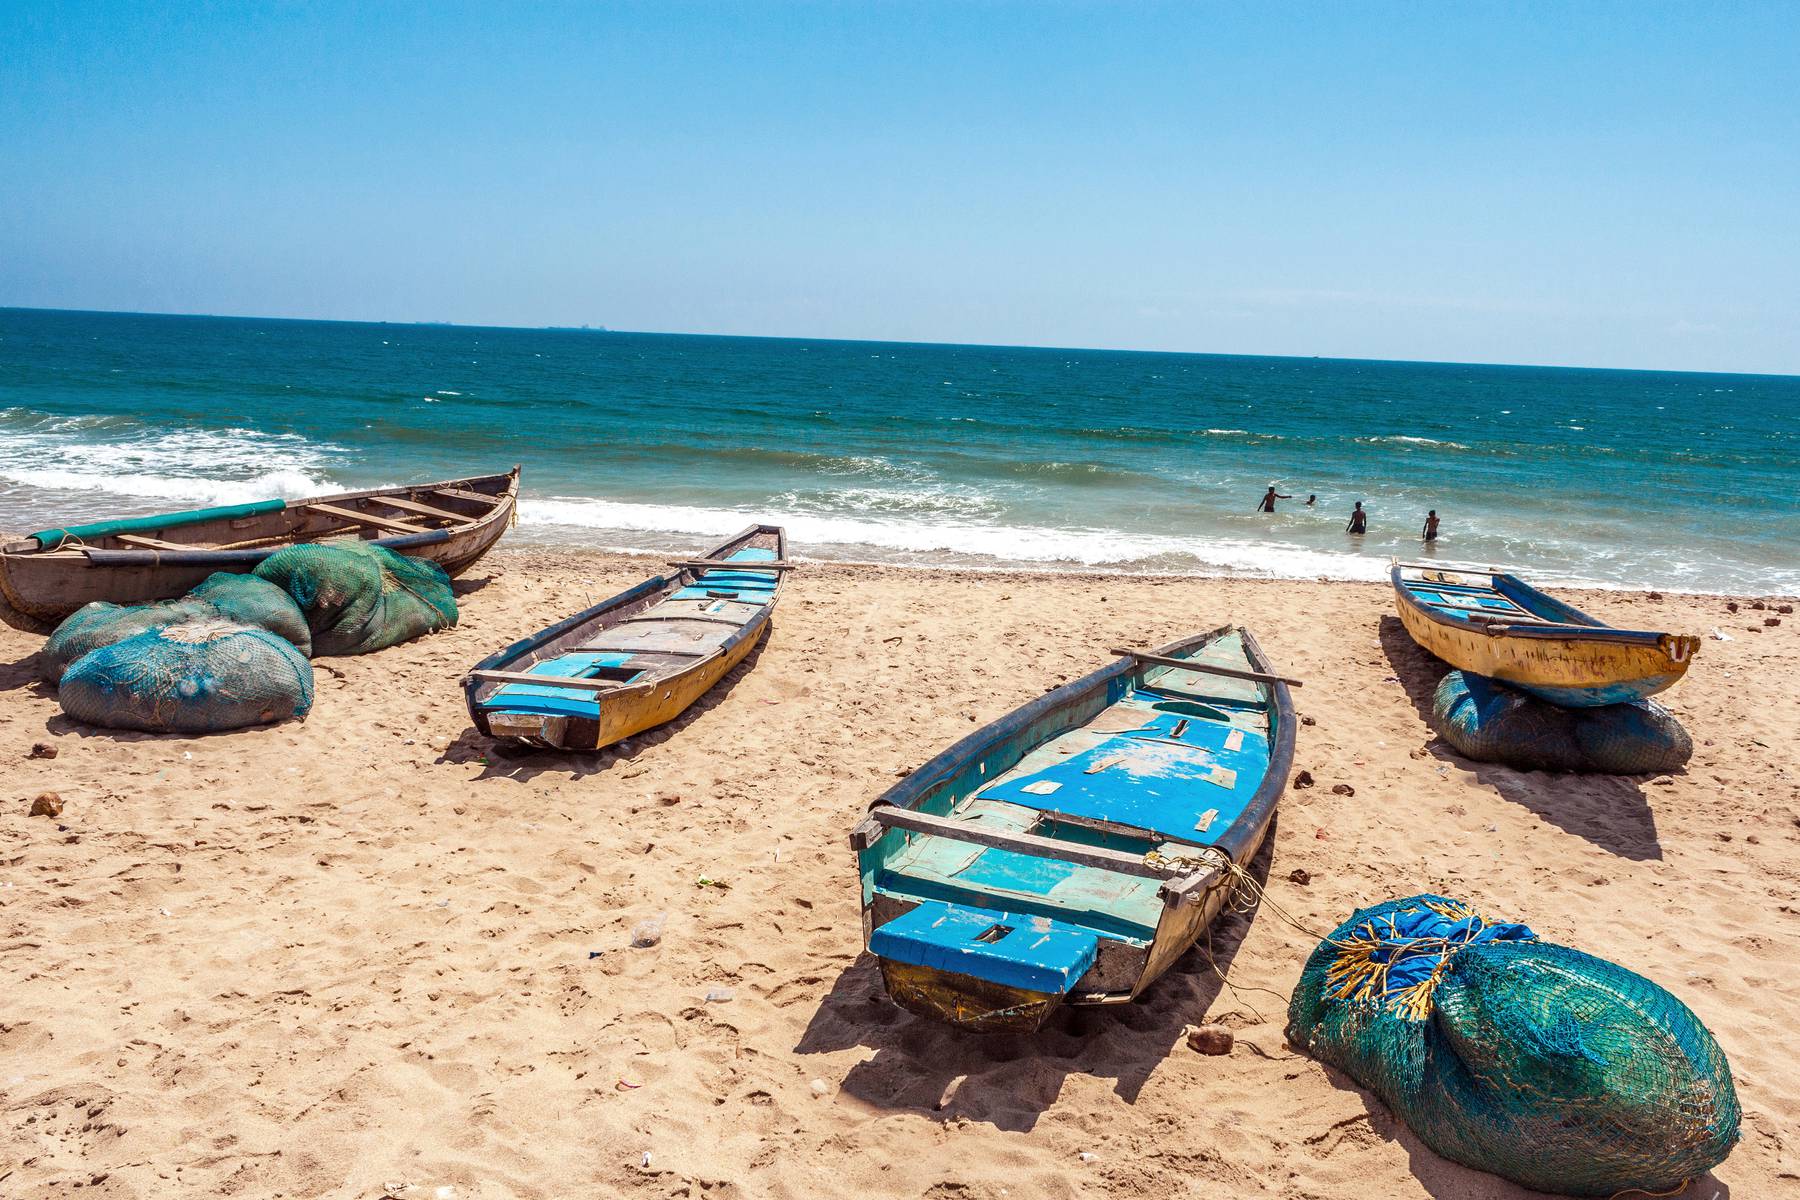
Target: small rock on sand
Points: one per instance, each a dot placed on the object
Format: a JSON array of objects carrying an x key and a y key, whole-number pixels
[
  {"x": 1300, "y": 875},
  {"x": 1210, "y": 1039},
  {"x": 1303, "y": 780},
  {"x": 47, "y": 805},
  {"x": 42, "y": 750},
  {"x": 1342, "y": 789}
]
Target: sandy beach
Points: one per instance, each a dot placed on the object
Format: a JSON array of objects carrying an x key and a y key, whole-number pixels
[{"x": 370, "y": 955}]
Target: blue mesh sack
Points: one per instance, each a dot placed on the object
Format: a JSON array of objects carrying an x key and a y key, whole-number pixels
[
  {"x": 1552, "y": 1068},
  {"x": 101, "y": 624},
  {"x": 1491, "y": 722},
  {"x": 359, "y": 597},
  {"x": 196, "y": 676},
  {"x": 252, "y": 601}
]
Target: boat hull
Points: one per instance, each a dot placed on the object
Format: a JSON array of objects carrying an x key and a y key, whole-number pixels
[
  {"x": 39, "y": 589},
  {"x": 1574, "y": 671},
  {"x": 965, "y": 1001}
]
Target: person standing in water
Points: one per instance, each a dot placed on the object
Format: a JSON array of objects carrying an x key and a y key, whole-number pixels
[
  {"x": 1359, "y": 520},
  {"x": 1431, "y": 526},
  {"x": 1269, "y": 499}
]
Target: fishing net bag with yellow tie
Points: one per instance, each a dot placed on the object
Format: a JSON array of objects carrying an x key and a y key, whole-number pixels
[{"x": 1539, "y": 1063}]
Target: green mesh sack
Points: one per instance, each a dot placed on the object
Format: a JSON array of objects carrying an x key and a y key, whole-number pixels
[
  {"x": 101, "y": 624},
  {"x": 197, "y": 676},
  {"x": 359, "y": 597},
  {"x": 1552, "y": 1068},
  {"x": 252, "y": 601},
  {"x": 1491, "y": 722}
]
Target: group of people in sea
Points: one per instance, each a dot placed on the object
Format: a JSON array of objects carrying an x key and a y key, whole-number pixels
[{"x": 1359, "y": 518}]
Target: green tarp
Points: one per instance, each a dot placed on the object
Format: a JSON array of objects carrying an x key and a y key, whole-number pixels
[{"x": 50, "y": 539}]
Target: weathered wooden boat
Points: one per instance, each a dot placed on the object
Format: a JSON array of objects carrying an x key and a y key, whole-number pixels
[
  {"x": 1490, "y": 622},
  {"x": 133, "y": 560},
  {"x": 637, "y": 660},
  {"x": 1073, "y": 850}
]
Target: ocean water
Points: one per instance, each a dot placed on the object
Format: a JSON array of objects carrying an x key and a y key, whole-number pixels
[{"x": 967, "y": 456}]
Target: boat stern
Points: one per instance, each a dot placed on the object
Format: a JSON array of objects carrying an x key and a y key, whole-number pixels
[
  {"x": 981, "y": 969},
  {"x": 534, "y": 729}
]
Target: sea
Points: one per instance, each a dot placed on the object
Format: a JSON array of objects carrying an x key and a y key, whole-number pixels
[{"x": 972, "y": 457}]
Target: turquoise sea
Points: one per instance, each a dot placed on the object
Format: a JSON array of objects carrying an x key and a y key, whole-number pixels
[{"x": 970, "y": 456}]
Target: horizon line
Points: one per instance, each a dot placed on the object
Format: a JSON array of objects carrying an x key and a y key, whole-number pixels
[{"x": 768, "y": 337}]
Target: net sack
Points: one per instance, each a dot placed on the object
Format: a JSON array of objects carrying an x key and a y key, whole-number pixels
[
  {"x": 101, "y": 624},
  {"x": 252, "y": 601},
  {"x": 241, "y": 599},
  {"x": 1490, "y": 722},
  {"x": 359, "y": 597},
  {"x": 1547, "y": 1066},
  {"x": 196, "y": 676}
]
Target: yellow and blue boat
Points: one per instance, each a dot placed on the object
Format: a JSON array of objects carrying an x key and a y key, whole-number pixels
[
  {"x": 637, "y": 660},
  {"x": 1073, "y": 850},
  {"x": 1493, "y": 623}
]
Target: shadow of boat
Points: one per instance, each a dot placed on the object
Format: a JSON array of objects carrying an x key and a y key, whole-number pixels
[{"x": 1611, "y": 811}]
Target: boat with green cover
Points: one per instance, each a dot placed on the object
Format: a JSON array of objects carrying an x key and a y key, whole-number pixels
[
  {"x": 134, "y": 560},
  {"x": 1073, "y": 850}
]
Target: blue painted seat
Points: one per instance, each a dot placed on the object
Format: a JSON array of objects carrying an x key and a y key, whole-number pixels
[
  {"x": 753, "y": 587},
  {"x": 550, "y": 701},
  {"x": 1036, "y": 953}
]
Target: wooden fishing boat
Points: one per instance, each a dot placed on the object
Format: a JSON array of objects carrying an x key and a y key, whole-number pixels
[
  {"x": 1076, "y": 848},
  {"x": 133, "y": 560},
  {"x": 637, "y": 660},
  {"x": 1484, "y": 620}
]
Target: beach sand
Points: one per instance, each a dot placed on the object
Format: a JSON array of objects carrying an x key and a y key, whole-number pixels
[{"x": 366, "y": 954}]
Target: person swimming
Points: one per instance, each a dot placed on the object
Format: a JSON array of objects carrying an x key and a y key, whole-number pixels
[
  {"x": 1431, "y": 526},
  {"x": 1359, "y": 520},
  {"x": 1309, "y": 500},
  {"x": 1267, "y": 504}
]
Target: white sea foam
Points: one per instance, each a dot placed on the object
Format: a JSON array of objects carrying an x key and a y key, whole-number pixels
[
  {"x": 118, "y": 456},
  {"x": 959, "y": 543},
  {"x": 1405, "y": 440}
]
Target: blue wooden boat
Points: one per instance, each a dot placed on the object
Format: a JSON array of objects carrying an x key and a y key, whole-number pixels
[
  {"x": 638, "y": 659},
  {"x": 1495, "y": 624},
  {"x": 1076, "y": 848}
]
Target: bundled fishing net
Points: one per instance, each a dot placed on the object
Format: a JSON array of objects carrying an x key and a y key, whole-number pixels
[
  {"x": 101, "y": 624},
  {"x": 1550, "y": 1067},
  {"x": 195, "y": 676},
  {"x": 1491, "y": 722},
  {"x": 252, "y": 601},
  {"x": 359, "y": 597},
  {"x": 243, "y": 599}
]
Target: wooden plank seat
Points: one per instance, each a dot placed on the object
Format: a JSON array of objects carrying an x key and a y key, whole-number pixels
[
  {"x": 464, "y": 494},
  {"x": 424, "y": 510},
  {"x": 366, "y": 518}
]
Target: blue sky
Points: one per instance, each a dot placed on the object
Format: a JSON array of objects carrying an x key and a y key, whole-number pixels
[{"x": 1590, "y": 184}]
